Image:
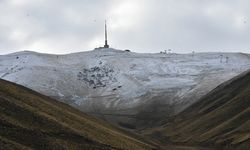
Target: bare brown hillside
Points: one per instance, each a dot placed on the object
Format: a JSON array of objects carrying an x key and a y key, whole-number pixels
[
  {"x": 29, "y": 120},
  {"x": 220, "y": 120}
]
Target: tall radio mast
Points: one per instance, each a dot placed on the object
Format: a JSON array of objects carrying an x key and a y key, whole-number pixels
[{"x": 106, "y": 36}]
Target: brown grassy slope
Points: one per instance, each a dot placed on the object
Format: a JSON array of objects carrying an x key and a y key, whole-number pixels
[
  {"x": 29, "y": 120},
  {"x": 220, "y": 119}
]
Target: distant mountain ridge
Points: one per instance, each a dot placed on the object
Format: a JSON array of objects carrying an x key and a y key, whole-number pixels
[{"x": 129, "y": 89}]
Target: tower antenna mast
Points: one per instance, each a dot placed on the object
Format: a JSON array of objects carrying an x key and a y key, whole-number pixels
[{"x": 106, "y": 36}]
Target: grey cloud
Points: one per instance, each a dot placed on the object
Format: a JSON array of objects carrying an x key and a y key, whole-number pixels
[{"x": 63, "y": 26}]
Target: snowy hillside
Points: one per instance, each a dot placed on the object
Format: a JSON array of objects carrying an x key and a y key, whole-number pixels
[{"x": 123, "y": 86}]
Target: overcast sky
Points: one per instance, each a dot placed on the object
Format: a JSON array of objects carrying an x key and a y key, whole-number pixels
[{"x": 65, "y": 26}]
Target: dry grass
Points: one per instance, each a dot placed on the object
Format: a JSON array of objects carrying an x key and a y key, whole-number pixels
[
  {"x": 31, "y": 120},
  {"x": 220, "y": 120}
]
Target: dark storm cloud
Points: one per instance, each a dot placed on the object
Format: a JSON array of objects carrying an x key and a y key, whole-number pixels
[{"x": 63, "y": 26}]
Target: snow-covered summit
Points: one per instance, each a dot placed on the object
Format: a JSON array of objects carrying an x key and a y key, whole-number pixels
[{"x": 121, "y": 85}]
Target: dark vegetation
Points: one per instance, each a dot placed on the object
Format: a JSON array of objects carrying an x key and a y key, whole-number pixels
[
  {"x": 29, "y": 120},
  {"x": 98, "y": 76},
  {"x": 127, "y": 125},
  {"x": 220, "y": 120}
]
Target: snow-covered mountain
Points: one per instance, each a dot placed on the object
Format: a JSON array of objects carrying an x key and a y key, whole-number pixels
[{"x": 124, "y": 87}]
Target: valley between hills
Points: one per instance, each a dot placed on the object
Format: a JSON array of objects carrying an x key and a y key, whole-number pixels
[{"x": 113, "y": 99}]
